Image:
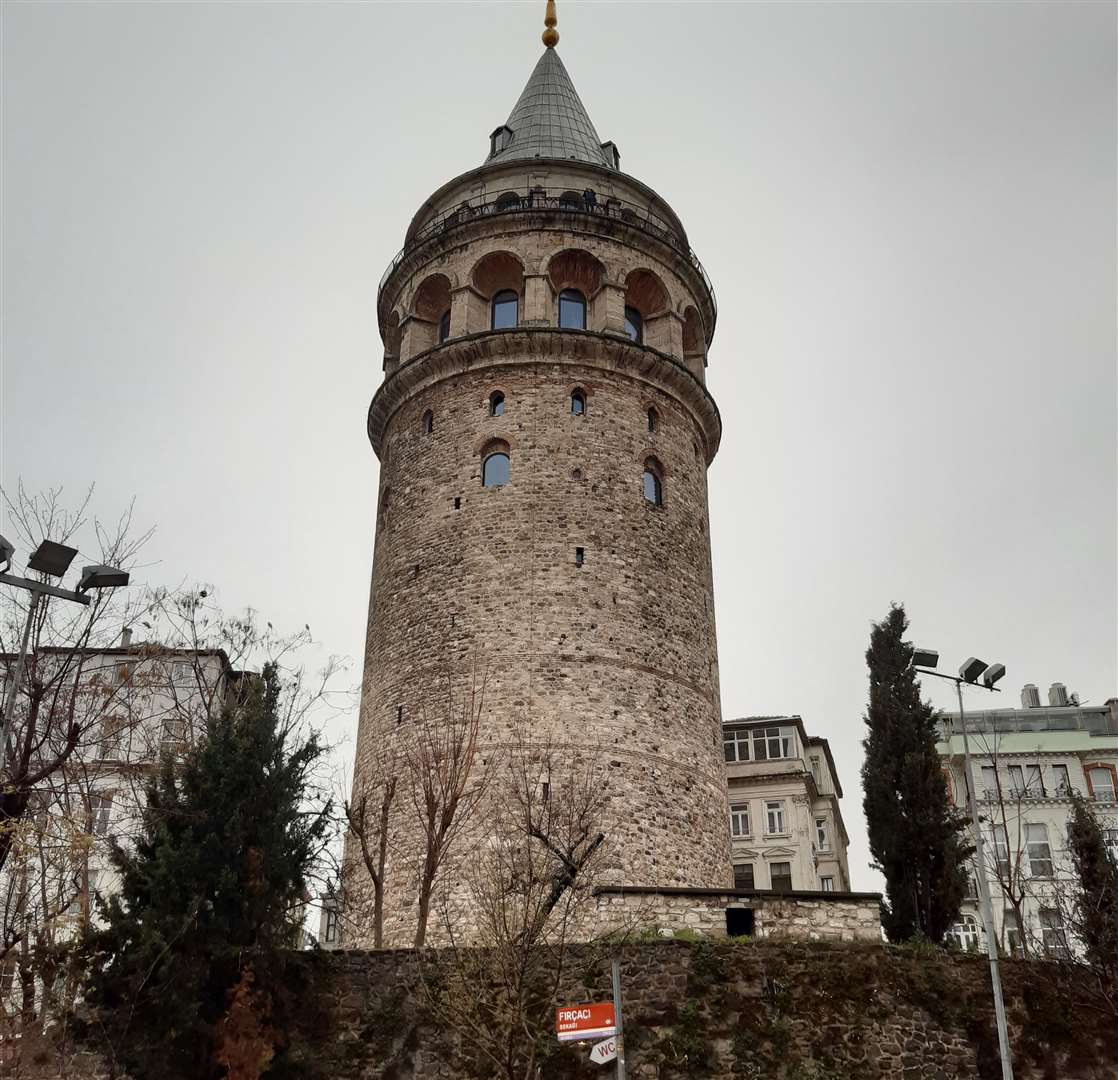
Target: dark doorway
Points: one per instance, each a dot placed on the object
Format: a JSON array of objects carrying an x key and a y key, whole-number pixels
[{"x": 739, "y": 922}]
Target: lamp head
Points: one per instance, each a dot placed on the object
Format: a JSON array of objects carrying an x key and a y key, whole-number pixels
[
  {"x": 101, "y": 577},
  {"x": 925, "y": 657},
  {"x": 7, "y": 550},
  {"x": 51, "y": 558},
  {"x": 992, "y": 674},
  {"x": 972, "y": 669}
]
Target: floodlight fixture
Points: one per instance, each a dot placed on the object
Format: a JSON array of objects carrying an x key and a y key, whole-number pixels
[
  {"x": 992, "y": 674},
  {"x": 7, "y": 550},
  {"x": 102, "y": 577},
  {"x": 925, "y": 657},
  {"x": 972, "y": 668},
  {"x": 52, "y": 558}
]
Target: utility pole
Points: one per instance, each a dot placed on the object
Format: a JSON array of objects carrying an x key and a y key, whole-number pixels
[{"x": 616, "y": 966}]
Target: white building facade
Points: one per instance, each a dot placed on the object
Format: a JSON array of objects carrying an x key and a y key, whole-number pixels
[
  {"x": 1027, "y": 761},
  {"x": 786, "y": 827}
]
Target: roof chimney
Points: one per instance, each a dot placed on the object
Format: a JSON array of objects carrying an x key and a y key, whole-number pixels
[
  {"x": 1030, "y": 696},
  {"x": 126, "y": 637},
  {"x": 1057, "y": 694}
]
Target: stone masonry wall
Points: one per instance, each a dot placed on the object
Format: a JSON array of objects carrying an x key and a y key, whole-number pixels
[
  {"x": 755, "y": 1010},
  {"x": 814, "y": 917}
]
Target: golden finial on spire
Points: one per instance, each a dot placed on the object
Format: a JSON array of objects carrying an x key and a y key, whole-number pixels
[{"x": 550, "y": 35}]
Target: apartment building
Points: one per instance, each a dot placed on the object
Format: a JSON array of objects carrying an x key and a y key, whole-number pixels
[
  {"x": 1027, "y": 761},
  {"x": 786, "y": 827}
]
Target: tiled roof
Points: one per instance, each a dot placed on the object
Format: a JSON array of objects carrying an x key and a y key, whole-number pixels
[{"x": 550, "y": 121}]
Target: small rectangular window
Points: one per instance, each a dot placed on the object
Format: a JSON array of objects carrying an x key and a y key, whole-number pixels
[
  {"x": 457, "y": 502},
  {"x": 828, "y": 884},
  {"x": 780, "y": 873},
  {"x": 816, "y": 772},
  {"x": 399, "y": 714},
  {"x": 774, "y": 818},
  {"x": 743, "y": 876},
  {"x": 579, "y": 556}
]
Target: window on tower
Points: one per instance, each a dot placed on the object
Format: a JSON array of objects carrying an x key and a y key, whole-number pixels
[
  {"x": 428, "y": 422},
  {"x": 506, "y": 310},
  {"x": 653, "y": 482},
  {"x": 572, "y": 310},
  {"x": 578, "y": 402},
  {"x": 495, "y": 464},
  {"x": 634, "y": 325},
  {"x": 652, "y": 419},
  {"x": 496, "y": 403},
  {"x": 444, "y": 326}
]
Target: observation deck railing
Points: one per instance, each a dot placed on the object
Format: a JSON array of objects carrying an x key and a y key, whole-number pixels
[{"x": 512, "y": 201}]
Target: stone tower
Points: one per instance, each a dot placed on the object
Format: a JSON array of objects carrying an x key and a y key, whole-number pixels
[{"x": 544, "y": 433}]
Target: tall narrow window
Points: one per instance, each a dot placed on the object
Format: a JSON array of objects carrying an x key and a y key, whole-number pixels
[
  {"x": 495, "y": 470},
  {"x": 739, "y": 819},
  {"x": 774, "y": 818},
  {"x": 1101, "y": 780},
  {"x": 1040, "y": 854},
  {"x": 653, "y": 485},
  {"x": 428, "y": 422},
  {"x": 743, "y": 876},
  {"x": 652, "y": 418},
  {"x": 822, "y": 840},
  {"x": 1061, "y": 782},
  {"x": 990, "y": 781},
  {"x": 496, "y": 403},
  {"x": 634, "y": 325},
  {"x": 506, "y": 310},
  {"x": 100, "y": 810},
  {"x": 444, "y": 327},
  {"x": 572, "y": 310},
  {"x": 1052, "y": 933},
  {"x": 578, "y": 403}
]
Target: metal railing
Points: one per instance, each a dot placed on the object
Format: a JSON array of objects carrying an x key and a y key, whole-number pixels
[
  {"x": 1095, "y": 721},
  {"x": 571, "y": 202}
]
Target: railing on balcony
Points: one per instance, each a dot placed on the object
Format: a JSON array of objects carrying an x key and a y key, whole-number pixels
[{"x": 538, "y": 198}]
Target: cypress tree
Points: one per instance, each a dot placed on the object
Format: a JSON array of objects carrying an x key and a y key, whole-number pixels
[
  {"x": 211, "y": 893},
  {"x": 915, "y": 834},
  {"x": 1095, "y": 892}
]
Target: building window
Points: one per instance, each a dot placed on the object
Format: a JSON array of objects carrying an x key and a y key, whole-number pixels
[
  {"x": 965, "y": 933},
  {"x": 505, "y": 310},
  {"x": 743, "y": 876},
  {"x": 1014, "y": 939},
  {"x": 578, "y": 403},
  {"x": 735, "y": 745},
  {"x": 652, "y": 420},
  {"x": 112, "y": 733},
  {"x": 972, "y": 886},
  {"x": 1001, "y": 851},
  {"x": 989, "y": 781},
  {"x": 770, "y": 744},
  {"x": 780, "y": 874},
  {"x": 816, "y": 772},
  {"x": 331, "y": 934},
  {"x": 580, "y": 556},
  {"x": 774, "y": 818},
  {"x": 634, "y": 325},
  {"x": 399, "y": 714},
  {"x": 1025, "y": 781},
  {"x": 495, "y": 470},
  {"x": 444, "y": 327},
  {"x": 173, "y": 736},
  {"x": 653, "y": 485},
  {"x": 100, "y": 809},
  {"x": 739, "y": 819},
  {"x": 1061, "y": 782},
  {"x": 1052, "y": 934},
  {"x": 428, "y": 422},
  {"x": 1100, "y": 779},
  {"x": 572, "y": 310},
  {"x": 827, "y": 884},
  {"x": 1040, "y": 854},
  {"x": 496, "y": 403},
  {"x": 822, "y": 841},
  {"x": 1110, "y": 839}
]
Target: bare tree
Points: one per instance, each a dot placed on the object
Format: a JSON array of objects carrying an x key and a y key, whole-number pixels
[
  {"x": 530, "y": 897},
  {"x": 445, "y": 778}
]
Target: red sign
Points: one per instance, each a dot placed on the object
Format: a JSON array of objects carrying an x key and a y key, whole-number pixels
[{"x": 574, "y": 1022}]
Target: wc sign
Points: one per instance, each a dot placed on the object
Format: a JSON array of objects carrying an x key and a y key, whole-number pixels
[{"x": 577, "y": 1022}]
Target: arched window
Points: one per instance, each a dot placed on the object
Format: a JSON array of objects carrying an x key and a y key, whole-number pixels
[
  {"x": 496, "y": 403},
  {"x": 572, "y": 310},
  {"x": 634, "y": 325},
  {"x": 428, "y": 422},
  {"x": 444, "y": 327},
  {"x": 506, "y": 310},
  {"x": 652, "y": 419},
  {"x": 578, "y": 403},
  {"x": 653, "y": 484},
  {"x": 965, "y": 933},
  {"x": 495, "y": 468}
]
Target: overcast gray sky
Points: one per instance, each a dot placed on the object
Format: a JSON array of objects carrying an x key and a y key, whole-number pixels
[{"x": 907, "y": 210}]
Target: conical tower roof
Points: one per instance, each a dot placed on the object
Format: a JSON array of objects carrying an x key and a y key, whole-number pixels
[{"x": 549, "y": 121}]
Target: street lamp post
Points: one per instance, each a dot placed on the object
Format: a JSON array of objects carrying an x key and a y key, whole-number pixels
[
  {"x": 53, "y": 560},
  {"x": 969, "y": 673}
]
